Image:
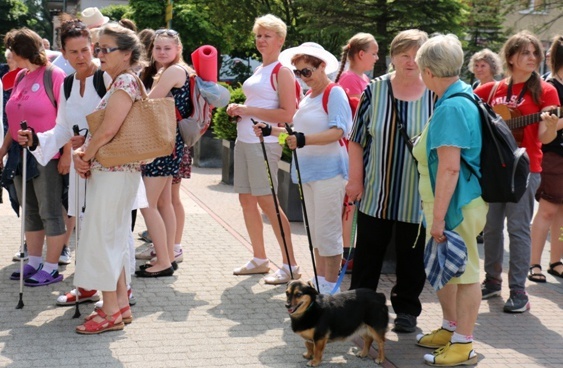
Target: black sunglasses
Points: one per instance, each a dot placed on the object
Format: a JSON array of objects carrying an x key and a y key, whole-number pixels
[
  {"x": 168, "y": 32},
  {"x": 105, "y": 50},
  {"x": 305, "y": 72}
]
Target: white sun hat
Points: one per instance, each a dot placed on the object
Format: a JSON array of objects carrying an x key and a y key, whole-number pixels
[
  {"x": 93, "y": 18},
  {"x": 312, "y": 49}
]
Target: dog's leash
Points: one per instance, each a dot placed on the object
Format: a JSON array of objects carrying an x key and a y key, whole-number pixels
[{"x": 352, "y": 246}]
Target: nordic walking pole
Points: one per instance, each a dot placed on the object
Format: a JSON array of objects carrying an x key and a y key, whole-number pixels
[
  {"x": 275, "y": 199},
  {"x": 76, "y": 131},
  {"x": 23, "y": 126},
  {"x": 305, "y": 218}
]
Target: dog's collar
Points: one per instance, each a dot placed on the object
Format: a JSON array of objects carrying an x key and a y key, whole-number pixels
[{"x": 310, "y": 305}]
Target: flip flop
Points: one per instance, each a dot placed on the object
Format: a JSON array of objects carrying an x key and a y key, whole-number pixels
[{"x": 42, "y": 278}]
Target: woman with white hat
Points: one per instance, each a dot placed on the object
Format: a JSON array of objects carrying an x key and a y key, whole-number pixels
[{"x": 323, "y": 158}]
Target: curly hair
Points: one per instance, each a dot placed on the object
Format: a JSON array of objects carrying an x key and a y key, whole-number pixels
[{"x": 490, "y": 58}]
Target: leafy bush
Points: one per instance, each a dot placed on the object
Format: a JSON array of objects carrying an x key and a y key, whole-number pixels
[{"x": 223, "y": 126}]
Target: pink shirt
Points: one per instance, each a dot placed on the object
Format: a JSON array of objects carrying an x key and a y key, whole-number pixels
[
  {"x": 352, "y": 83},
  {"x": 30, "y": 102}
]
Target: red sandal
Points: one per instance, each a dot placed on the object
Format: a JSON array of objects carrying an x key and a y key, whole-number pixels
[
  {"x": 92, "y": 327},
  {"x": 126, "y": 320}
]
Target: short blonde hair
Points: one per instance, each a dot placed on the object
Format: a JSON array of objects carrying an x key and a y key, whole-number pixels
[
  {"x": 405, "y": 40},
  {"x": 442, "y": 54},
  {"x": 490, "y": 58},
  {"x": 271, "y": 23}
]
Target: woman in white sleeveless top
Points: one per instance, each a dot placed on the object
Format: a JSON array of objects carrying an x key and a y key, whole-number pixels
[{"x": 270, "y": 97}]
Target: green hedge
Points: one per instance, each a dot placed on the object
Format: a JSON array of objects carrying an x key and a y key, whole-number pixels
[{"x": 223, "y": 126}]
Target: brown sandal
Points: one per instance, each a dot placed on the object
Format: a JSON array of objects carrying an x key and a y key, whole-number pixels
[{"x": 536, "y": 277}]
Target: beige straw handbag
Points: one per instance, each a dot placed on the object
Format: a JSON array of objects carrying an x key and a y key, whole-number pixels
[{"x": 148, "y": 132}]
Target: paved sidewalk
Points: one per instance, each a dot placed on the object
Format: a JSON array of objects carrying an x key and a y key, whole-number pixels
[{"x": 204, "y": 316}]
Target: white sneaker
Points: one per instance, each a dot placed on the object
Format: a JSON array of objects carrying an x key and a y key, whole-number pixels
[
  {"x": 65, "y": 256},
  {"x": 327, "y": 288},
  {"x": 17, "y": 258},
  {"x": 147, "y": 253}
]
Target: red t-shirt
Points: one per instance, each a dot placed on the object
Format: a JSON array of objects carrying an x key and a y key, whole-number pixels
[{"x": 526, "y": 106}]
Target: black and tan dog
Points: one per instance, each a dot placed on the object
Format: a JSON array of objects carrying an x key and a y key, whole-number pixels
[{"x": 320, "y": 319}]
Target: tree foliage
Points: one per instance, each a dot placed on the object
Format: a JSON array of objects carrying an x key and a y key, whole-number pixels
[
  {"x": 117, "y": 12},
  {"x": 13, "y": 14},
  {"x": 336, "y": 21}
]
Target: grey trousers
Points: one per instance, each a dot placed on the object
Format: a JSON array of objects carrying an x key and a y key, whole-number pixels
[{"x": 518, "y": 217}]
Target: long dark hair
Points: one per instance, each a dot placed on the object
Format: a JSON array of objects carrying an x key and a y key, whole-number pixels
[{"x": 515, "y": 45}]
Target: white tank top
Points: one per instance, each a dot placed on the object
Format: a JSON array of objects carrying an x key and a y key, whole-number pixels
[{"x": 259, "y": 93}]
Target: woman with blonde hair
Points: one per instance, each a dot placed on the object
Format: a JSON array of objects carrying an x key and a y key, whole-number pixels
[
  {"x": 173, "y": 78},
  {"x": 270, "y": 98},
  {"x": 360, "y": 54}
]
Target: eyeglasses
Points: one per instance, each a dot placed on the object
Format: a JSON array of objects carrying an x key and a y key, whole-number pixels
[
  {"x": 105, "y": 50},
  {"x": 305, "y": 72},
  {"x": 168, "y": 32}
]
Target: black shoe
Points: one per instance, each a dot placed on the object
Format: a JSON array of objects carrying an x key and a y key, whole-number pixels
[
  {"x": 405, "y": 323},
  {"x": 147, "y": 265},
  {"x": 163, "y": 273},
  {"x": 480, "y": 238}
]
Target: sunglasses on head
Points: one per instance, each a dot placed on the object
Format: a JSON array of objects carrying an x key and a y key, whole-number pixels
[
  {"x": 305, "y": 72},
  {"x": 167, "y": 32}
]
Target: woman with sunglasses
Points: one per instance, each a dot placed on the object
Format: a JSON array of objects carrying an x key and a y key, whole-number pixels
[
  {"x": 323, "y": 159},
  {"x": 103, "y": 260},
  {"x": 269, "y": 98},
  {"x": 31, "y": 101},
  {"x": 173, "y": 78},
  {"x": 77, "y": 50}
]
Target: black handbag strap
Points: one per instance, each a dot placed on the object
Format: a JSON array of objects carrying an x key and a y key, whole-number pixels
[{"x": 400, "y": 124}]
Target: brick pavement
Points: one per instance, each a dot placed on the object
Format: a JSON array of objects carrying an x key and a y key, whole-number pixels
[{"x": 206, "y": 317}]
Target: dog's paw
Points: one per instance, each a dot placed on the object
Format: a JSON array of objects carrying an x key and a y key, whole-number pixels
[
  {"x": 307, "y": 355},
  {"x": 313, "y": 363},
  {"x": 379, "y": 361},
  {"x": 361, "y": 354}
]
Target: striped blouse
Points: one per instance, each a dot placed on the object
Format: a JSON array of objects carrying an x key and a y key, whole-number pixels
[{"x": 390, "y": 174}]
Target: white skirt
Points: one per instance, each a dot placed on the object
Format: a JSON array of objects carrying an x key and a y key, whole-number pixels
[{"x": 103, "y": 251}]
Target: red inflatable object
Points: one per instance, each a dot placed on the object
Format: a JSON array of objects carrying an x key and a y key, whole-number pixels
[{"x": 204, "y": 60}]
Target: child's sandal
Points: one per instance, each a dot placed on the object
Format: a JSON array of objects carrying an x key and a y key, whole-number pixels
[{"x": 107, "y": 324}]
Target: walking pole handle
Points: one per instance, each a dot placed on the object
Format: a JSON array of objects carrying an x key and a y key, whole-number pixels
[
  {"x": 23, "y": 125},
  {"x": 261, "y": 136},
  {"x": 76, "y": 129},
  {"x": 289, "y": 130}
]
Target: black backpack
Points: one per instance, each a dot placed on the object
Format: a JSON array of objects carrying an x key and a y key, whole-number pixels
[
  {"x": 98, "y": 81},
  {"x": 505, "y": 167}
]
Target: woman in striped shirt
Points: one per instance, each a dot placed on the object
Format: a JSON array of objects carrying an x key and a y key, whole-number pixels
[{"x": 384, "y": 180}]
